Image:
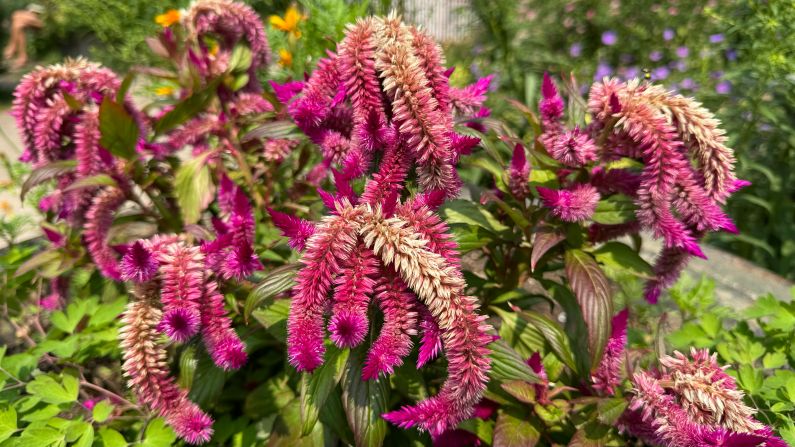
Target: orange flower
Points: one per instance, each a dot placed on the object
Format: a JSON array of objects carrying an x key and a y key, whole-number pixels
[
  {"x": 289, "y": 23},
  {"x": 285, "y": 58},
  {"x": 5, "y": 207},
  {"x": 168, "y": 18},
  {"x": 165, "y": 90}
]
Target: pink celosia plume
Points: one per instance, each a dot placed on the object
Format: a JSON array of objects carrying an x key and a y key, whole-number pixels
[{"x": 570, "y": 205}]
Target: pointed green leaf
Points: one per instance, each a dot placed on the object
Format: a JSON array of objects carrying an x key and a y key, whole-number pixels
[
  {"x": 592, "y": 290},
  {"x": 364, "y": 402},
  {"x": 46, "y": 172},
  {"x": 118, "y": 128},
  {"x": 316, "y": 386},
  {"x": 278, "y": 281},
  {"x": 514, "y": 430},
  {"x": 193, "y": 188},
  {"x": 8, "y": 423},
  {"x": 102, "y": 411}
]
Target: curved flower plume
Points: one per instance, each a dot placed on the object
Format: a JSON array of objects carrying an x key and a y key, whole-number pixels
[
  {"x": 230, "y": 22},
  {"x": 179, "y": 296},
  {"x": 99, "y": 219},
  {"x": 608, "y": 374},
  {"x": 57, "y": 112},
  {"x": 693, "y": 402},
  {"x": 570, "y": 205},
  {"x": 676, "y": 168},
  {"x": 387, "y": 91},
  {"x": 519, "y": 173},
  {"x": 145, "y": 367}
]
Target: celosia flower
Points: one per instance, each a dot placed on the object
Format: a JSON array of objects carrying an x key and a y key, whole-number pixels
[
  {"x": 298, "y": 230},
  {"x": 570, "y": 205},
  {"x": 182, "y": 271},
  {"x": 138, "y": 264},
  {"x": 232, "y": 22},
  {"x": 147, "y": 372},
  {"x": 389, "y": 85},
  {"x": 608, "y": 374},
  {"x": 354, "y": 285},
  {"x": 519, "y": 174},
  {"x": 574, "y": 148},
  {"x": 542, "y": 388},
  {"x": 693, "y": 402},
  {"x": 223, "y": 344},
  {"x": 99, "y": 219}
]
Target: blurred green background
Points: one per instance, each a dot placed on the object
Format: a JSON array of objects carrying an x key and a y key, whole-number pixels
[{"x": 734, "y": 56}]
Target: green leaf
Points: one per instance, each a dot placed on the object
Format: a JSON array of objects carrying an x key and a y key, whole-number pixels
[
  {"x": 41, "y": 259},
  {"x": 774, "y": 360},
  {"x": 111, "y": 438},
  {"x": 274, "y": 318},
  {"x": 186, "y": 109},
  {"x": 102, "y": 411},
  {"x": 158, "y": 434},
  {"x": 107, "y": 312},
  {"x": 316, "y": 386},
  {"x": 507, "y": 364},
  {"x": 545, "y": 239},
  {"x": 279, "y": 280},
  {"x": 68, "y": 319},
  {"x": 554, "y": 335},
  {"x": 8, "y": 423},
  {"x": 513, "y": 430},
  {"x": 609, "y": 410},
  {"x": 240, "y": 60},
  {"x": 118, "y": 128},
  {"x": 364, "y": 402},
  {"x": 49, "y": 390},
  {"x": 271, "y": 130},
  {"x": 40, "y": 437},
  {"x": 544, "y": 177},
  {"x": 520, "y": 390},
  {"x": 750, "y": 378},
  {"x": 465, "y": 212},
  {"x": 81, "y": 434},
  {"x": 90, "y": 182},
  {"x": 46, "y": 172},
  {"x": 623, "y": 258},
  {"x": 519, "y": 335},
  {"x": 592, "y": 290},
  {"x": 615, "y": 209},
  {"x": 332, "y": 415},
  {"x": 193, "y": 188}
]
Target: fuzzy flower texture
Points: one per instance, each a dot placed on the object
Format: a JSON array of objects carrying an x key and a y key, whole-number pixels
[
  {"x": 386, "y": 91},
  {"x": 686, "y": 173},
  {"x": 692, "y": 402}
]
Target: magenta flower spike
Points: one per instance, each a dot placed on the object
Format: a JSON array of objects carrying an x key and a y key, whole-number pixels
[
  {"x": 354, "y": 286},
  {"x": 573, "y": 148},
  {"x": 571, "y": 205},
  {"x": 386, "y": 90},
  {"x": 296, "y": 229},
  {"x": 519, "y": 173},
  {"x": 608, "y": 374},
  {"x": 138, "y": 264},
  {"x": 182, "y": 271},
  {"x": 147, "y": 373},
  {"x": 692, "y": 402},
  {"x": 99, "y": 219},
  {"x": 223, "y": 344}
]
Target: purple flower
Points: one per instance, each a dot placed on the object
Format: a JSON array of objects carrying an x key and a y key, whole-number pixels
[
  {"x": 660, "y": 73},
  {"x": 688, "y": 84},
  {"x": 731, "y": 54},
  {"x": 680, "y": 65},
  {"x": 603, "y": 70},
  {"x": 723, "y": 88},
  {"x": 655, "y": 56},
  {"x": 668, "y": 34},
  {"x": 609, "y": 38},
  {"x": 716, "y": 38},
  {"x": 575, "y": 50},
  {"x": 631, "y": 72},
  {"x": 682, "y": 52}
]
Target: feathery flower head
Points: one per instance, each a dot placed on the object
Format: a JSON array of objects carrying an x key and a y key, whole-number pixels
[
  {"x": 574, "y": 148},
  {"x": 138, "y": 264},
  {"x": 692, "y": 402},
  {"x": 387, "y": 87},
  {"x": 608, "y": 374},
  {"x": 519, "y": 173},
  {"x": 298, "y": 230},
  {"x": 231, "y": 22},
  {"x": 571, "y": 205}
]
